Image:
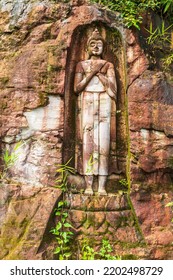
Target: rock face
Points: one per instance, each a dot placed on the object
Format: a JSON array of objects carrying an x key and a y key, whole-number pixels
[{"x": 39, "y": 47}]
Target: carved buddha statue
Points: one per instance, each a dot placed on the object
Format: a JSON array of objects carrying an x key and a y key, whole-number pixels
[{"x": 95, "y": 85}]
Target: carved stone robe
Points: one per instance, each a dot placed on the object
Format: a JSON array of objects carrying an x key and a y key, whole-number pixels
[{"x": 96, "y": 123}]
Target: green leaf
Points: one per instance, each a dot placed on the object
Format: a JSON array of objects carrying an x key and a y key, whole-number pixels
[
  {"x": 57, "y": 213},
  {"x": 167, "y": 6},
  {"x": 57, "y": 250},
  {"x": 70, "y": 233},
  {"x": 17, "y": 146},
  {"x": 67, "y": 255},
  {"x": 58, "y": 181},
  {"x": 61, "y": 203},
  {"x": 58, "y": 226},
  {"x": 68, "y": 161},
  {"x": 59, "y": 241},
  {"x": 169, "y": 204},
  {"x": 65, "y": 214},
  {"x": 67, "y": 225}
]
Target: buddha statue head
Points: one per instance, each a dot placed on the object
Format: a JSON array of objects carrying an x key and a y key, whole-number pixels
[{"x": 95, "y": 44}]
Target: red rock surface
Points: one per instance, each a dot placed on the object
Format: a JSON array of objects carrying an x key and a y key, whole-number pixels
[{"x": 34, "y": 71}]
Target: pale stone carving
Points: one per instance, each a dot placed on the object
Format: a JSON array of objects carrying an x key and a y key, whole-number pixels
[{"x": 95, "y": 84}]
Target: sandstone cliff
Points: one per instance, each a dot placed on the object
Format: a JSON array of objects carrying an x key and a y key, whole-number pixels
[{"x": 38, "y": 51}]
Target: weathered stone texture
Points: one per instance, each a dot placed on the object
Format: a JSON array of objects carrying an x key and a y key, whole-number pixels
[
  {"x": 37, "y": 37},
  {"x": 24, "y": 219},
  {"x": 150, "y": 100},
  {"x": 31, "y": 84},
  {"x": 150, "y": 110}
]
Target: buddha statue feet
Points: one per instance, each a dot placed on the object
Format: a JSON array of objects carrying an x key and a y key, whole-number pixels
[
  {"x": 102, "y": 191},
  {"x": 88, "y": 191}
]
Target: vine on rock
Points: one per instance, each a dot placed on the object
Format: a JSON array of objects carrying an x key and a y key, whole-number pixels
[{"x": 62, "y": 230}]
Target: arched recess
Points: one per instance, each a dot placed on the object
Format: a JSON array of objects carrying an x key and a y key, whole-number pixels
[{"x": 113, "y": 52}]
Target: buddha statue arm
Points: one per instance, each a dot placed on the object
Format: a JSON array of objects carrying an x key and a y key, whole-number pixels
[
  {"x": 109, "y": 82},
  {"x": 81, "y": 82}
]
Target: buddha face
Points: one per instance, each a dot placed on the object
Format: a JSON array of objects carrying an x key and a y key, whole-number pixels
[{"x": 95, "y": 47}]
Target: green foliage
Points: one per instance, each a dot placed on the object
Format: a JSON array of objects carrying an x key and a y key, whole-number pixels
[
  {"x": 63, "y": 171},
  {"x": 170, "y": 204},
  {"x": 167, "y": 5},
  {"x": 88, "y": 252},
  {"x": 9, "y": 159},
  {"x": 90, "y": 164},
  {"x": 63, "y": 236},
  {"x": 167, "y": 61},
  {"x": 123, "y": 182},
  {"x": 105, "y": 251},
  {"x": 159, "y": 36},
  {"x": 131, "y": 10},
  {"x": 159, "y": 39},
  {"x": 62, "y": 230}
]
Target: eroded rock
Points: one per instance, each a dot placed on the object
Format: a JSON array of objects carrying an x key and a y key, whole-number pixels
[{"x": 36, "y": 40}]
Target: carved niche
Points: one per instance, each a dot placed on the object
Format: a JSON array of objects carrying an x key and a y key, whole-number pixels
[{"x": 95, "y": 122}]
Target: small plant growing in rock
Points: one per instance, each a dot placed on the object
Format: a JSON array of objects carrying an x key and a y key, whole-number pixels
[
  {"x": 159, "y": 36},
  {"x": 88, "y": 252},
  {"x": 105, "y": 250},
  {"x": 9, "y": 159},
  {"x": 90, "y": 164},
  {"x": 170, "y": 204},
  {"x": 123, "y": 182},
  {"x": 167, "y": 62},
  {"x": 62, "y": 230}
]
